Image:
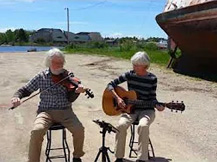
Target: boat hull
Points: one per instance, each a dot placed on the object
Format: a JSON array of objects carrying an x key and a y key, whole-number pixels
[{"x": 194, "y": 30}]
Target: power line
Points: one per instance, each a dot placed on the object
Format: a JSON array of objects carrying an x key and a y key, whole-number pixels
[{"x": 91, "y": 6}]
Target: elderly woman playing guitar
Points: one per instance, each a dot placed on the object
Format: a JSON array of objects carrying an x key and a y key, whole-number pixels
[
  {"x": 56, "y": 87},
  {"x": 144, "y": 84}
]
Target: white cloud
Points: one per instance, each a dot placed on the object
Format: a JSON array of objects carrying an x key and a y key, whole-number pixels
[
  {"x": 115, "y": 35},
  {"x": 17, "y": 1},
  {"x": 9, "y": 2},
  {"x": 3, "y": 30},
  {"x": 120, "y": 35},
  {"x": 74, "y": 23},
  {"x": 25, "y": 0}
]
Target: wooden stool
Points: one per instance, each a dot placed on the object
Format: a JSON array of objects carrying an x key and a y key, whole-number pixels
[
  {"x": 64, "y": 147},
  {"x": 132, "y": 141}
]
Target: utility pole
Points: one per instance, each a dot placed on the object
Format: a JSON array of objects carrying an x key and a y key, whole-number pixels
[{"x": 67, "y": 9}]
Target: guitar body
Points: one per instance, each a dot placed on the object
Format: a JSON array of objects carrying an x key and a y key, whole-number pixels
[{"x": 109, "y": 103}]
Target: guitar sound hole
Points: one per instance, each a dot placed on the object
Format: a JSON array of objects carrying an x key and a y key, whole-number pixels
[{"x": 115, "y": 103}]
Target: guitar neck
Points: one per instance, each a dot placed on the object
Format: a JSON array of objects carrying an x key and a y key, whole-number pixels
[{"x": 145, "y": 104}]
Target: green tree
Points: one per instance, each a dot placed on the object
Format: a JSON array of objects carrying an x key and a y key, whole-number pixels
[
  {"x": 20, "y": 35},
  {"x": 3, "y": 38},
  {"x": 10, "y": 36}
]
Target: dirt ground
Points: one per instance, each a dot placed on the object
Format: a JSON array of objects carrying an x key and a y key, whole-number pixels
[{"x": 190, "y": 136}]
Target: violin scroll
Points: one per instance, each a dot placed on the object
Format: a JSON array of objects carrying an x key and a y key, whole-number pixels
[{"x": 89, "y": 93}]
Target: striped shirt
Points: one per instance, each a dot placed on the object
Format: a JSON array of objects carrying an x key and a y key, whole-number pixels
[
  {"x": 144, "y": 86},
  {"x": 54, "y": 98}
]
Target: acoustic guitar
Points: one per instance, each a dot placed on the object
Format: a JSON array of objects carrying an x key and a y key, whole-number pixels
[{"x": 111, "y": 108}]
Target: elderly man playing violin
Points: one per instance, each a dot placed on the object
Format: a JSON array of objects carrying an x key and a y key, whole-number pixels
[{"x": 54, "y": 106}]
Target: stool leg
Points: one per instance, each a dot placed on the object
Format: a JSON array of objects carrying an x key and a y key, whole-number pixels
[
  {"x": 48, "y": 140},
  {"x": 65, "y": 146},
  {"x": 132, "y": 140},
  {"x": 152, "y": 149},
  {"x": 63, "y": 142},
  {"x": 48, "y": 147}
]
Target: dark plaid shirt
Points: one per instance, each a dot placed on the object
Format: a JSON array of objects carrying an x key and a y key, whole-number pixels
[{"x": 54, "y": 98}]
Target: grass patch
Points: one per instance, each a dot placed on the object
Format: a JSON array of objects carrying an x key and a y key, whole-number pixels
[{"x": 159, "y": 57}]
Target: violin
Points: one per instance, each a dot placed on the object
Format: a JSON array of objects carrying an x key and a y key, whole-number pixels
[
  {"x": 70, "y": 82},
  {"x": 67, "y": 80}
]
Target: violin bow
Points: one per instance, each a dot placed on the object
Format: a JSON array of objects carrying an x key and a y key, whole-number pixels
[{"x": 69, "y": 75}]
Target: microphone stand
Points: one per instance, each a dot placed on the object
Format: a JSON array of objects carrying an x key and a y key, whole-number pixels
[{"x": 104, "y": 150}]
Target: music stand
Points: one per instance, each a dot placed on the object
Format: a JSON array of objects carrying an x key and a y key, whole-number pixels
[{"x": 104, "y": 150}]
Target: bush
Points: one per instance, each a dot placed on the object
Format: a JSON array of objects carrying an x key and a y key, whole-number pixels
[
  {"x": 71, "y": 46},
  {"x": 40, "y": 40},
  {"x": 127, "y": 45},
  {"x": 99, "y": 45},
  {"x": 151, "y": 46}
]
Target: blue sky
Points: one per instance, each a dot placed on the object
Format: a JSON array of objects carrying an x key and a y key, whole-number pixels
[{"x": 112, "y": 18}]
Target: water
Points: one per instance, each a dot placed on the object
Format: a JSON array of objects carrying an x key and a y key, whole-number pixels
[{"x": 24, "y": 48}]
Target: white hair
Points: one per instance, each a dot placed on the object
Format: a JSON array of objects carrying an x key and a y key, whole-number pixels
[
  {"x": 51, "y": 53},
  {"x": 140, "y": 58}
]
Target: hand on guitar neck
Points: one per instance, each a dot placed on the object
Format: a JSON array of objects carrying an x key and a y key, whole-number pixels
[{"x": 160, "y": 107}]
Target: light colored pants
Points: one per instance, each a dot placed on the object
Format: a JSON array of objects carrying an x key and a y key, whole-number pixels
[
  {"x": 44, "y": 120},
  {"x": 145, "y": 118}
]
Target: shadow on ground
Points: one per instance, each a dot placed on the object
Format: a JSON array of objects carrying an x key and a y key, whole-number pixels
[
  {"x": 156, "y": 159},
  {"x": 200, "y": 75}
]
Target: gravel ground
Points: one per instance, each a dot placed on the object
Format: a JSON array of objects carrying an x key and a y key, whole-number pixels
[{"x": 179, "y": 137}]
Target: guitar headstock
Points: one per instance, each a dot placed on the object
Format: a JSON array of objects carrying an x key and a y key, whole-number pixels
[
  {"x": 177, "y": 106},
  {"x": 89, "y": 93}
]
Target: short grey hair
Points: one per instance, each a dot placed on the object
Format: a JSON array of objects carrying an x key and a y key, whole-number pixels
[
  {"x": 51, "y": 53},
  {"x": 140, "y": 58}
]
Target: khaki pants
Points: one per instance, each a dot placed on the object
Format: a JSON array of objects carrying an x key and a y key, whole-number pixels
[
  {"x": 44, "y": 120},
  {"x": 145, "y": 117}
]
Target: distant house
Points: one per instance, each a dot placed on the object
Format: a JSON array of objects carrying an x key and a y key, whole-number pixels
[
  {"x": 48, "y": 35},
  {"x": 95, "y": 36},
  {"x": 162, "y": 44},
  {"x": 112, "y": 42},
  {"x": 59, "y": 36},
  {"x": 76, "y": 38},
  {"x": 83, "y": 37}
]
